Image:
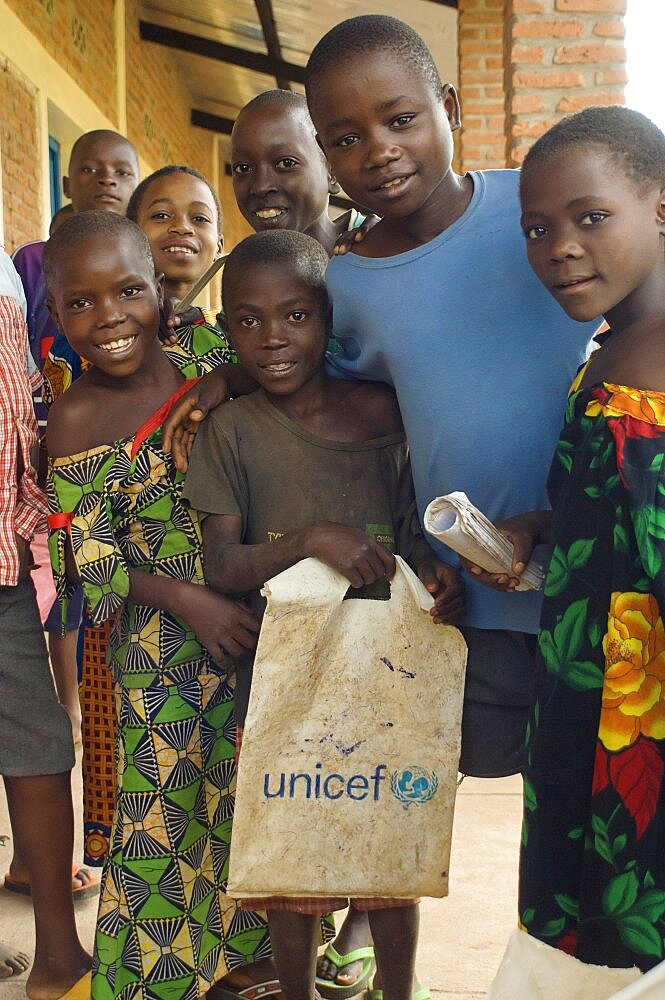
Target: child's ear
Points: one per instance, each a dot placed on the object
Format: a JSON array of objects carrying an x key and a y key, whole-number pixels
[
  {"x": 451, "y": 106},
  {"x": 53, "y": 313},
  {"x": 159, "y": 287},
  {"x": 660, "y": 213},
  {"x": 333, "y": 183},
  {"x": 65, "y": 188},
  {"x": 223, "y": 321},
  {"x": 220, "y": 245}
]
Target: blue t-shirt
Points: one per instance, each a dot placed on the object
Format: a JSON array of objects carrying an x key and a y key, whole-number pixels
[{"x": 481, "y": 358}]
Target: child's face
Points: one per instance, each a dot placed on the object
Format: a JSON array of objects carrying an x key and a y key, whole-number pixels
[
  {"x": 280, "y": 178},
  {"x": 106, "y": 301},
  {"x": 179, "y": 217},
  {"x": 386, "y": 134},
  {"x": 102, "y": 175},
  {"x": 593, "y": 235},
  {"x": 277, "y": 326}
]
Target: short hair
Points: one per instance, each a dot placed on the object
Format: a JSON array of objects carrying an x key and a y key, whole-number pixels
[
  {"x": 281, "y": 246},
  {"x": 368, "y": 33},
  {"x": 83, "y": 225},
  {"x": 289, "y": 99},
  {"x": 139, "y": 193},
  {"x": 629, "y": 137},
  {"x": 99, "y": 133}
]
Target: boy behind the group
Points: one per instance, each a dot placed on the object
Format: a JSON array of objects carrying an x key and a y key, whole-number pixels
[{"x": 307, "y": 466}]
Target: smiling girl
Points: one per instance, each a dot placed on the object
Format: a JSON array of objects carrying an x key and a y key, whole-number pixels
[{"x": 118, "y": 525}]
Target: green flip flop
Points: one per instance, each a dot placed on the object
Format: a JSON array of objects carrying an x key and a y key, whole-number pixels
[
  {"x": 335, "y": 991},
  {"x": 421, "y": 994}
]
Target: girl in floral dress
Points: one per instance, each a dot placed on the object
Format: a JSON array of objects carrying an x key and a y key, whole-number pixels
[
  {"x": 165, "y": 927},
  {"x": 592, "y": 877}
]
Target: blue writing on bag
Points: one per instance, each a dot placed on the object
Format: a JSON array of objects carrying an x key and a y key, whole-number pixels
[
  {"x": 320, "y": 786},
  {"x": 412, "y": 784}
]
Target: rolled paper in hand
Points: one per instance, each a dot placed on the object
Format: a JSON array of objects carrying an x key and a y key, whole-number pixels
[{"x": 453, "y": 520}]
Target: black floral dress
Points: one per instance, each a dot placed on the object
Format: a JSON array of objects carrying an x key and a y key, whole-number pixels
[{"x": 592, "y": 873}]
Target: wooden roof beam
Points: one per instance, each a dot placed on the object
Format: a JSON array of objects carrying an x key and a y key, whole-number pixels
[
  {"x": 197, "y": 45},
  {"x": 271, "y": 37}
]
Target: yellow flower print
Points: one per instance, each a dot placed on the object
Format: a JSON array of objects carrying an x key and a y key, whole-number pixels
[
  {"x": 634, "y": 684},
  {"x": 622, "y": 401}
]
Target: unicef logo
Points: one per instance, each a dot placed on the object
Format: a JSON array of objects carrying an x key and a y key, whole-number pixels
[{"x": 413, "y": 784}]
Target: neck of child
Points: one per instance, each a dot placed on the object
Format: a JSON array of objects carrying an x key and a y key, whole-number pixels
[
  {"x": 324, "y": 231},
  {"x": 176, "y": 288},
  {"x": 309, "y": 399},
  {"x": 155, "y": 369},
  {"x": 444, "y": 206},
  {"x": 643, "y": 305}
]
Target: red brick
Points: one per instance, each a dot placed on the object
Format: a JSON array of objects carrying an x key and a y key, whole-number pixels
[
  {"x": 538, "y": 28},
  {"x": 551, "y": 81},
  {"x": 531, "y": 130},
  {"x": 592, "y": 6},
  {"x": 590, "y": 54},
  {"x": 527, "y": 104},
  {"x": 610, "y": 29},
  {"x": 528, "y": 7},
  {"x": 572, "y": 103},
  {"x": 527, "y": 54},
  {"x": 606, "y": 76}
]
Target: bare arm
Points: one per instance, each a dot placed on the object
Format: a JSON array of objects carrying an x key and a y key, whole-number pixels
[
  {"x": 218, "y": 386},
  {"x": 232, "y": 567}
]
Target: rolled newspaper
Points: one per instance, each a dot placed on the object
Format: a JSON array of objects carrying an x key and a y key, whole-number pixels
[{"x": 454, "y": 521}]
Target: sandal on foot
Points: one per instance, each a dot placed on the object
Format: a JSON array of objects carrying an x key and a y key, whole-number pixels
[
  {"x": 80, "y": 990},
  {"x": 257, "y": 991},
  {"x": 422, "y": 993},
  {"x": 331, "y": 990},
  {"x": 89, "y": 888}
]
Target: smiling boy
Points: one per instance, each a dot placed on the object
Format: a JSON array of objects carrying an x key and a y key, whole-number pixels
[{"x": 340, "y": 454}]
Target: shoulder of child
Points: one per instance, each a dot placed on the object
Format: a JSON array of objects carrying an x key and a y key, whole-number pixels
[
  {"x": 70, "y": 419},
  {"x": 376, "y": 404}
]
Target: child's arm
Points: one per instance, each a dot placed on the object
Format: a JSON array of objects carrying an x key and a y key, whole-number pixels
[
  {"x": 218, "y": 386},
  {"x": 232, "y": 567}
]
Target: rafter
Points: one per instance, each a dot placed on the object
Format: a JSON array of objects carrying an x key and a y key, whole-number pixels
[
  {"x": 271, "y": 37},
  {"x": 197, "y": 45}
]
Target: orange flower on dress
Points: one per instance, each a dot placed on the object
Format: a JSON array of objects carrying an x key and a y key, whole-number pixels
[
  {"x": 634, "y": 684},
  {"x": 623, "y": 401}
]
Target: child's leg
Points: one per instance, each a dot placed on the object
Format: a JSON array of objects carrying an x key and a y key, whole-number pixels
[
  {"x": 395, "y": 935},
  {"x": 294, "y": 938}
]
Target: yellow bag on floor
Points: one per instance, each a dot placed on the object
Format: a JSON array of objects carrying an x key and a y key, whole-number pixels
[{"x": 348, "y": 769}]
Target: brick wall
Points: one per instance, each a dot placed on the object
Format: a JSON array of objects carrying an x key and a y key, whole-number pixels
[
  {"x": 526, "y": 63},
  {"x": 565, "y": 55},
  {"x": 481, "y": 83},
  {"x": 19, "y": 159},
  {"x": 159, "y": 105},
  {"x": 79, "y": 34}
]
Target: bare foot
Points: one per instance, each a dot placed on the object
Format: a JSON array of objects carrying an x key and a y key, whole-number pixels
[
  {"x": 354, "y": 933},
  {"x": 12, "y": 962},
  {"x": 52, "y": 982}
]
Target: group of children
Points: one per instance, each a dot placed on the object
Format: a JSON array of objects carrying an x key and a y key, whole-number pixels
[{"x": 435, "y": 298}]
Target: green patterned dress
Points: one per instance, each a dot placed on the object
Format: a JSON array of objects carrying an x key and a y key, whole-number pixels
[{"x": 165, "y": 927}]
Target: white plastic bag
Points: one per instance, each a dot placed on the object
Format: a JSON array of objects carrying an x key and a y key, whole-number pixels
[
  {"x": 348, "y": 769},
  {"x": 533, "y": 970}
]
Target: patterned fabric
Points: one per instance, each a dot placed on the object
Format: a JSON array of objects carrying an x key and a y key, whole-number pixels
[
  {"x": 22, "y": 503},
  {"x": 593, "y": 855},
  {"x": 96, "y": 695},
  {"x": 165, "y": 926}
]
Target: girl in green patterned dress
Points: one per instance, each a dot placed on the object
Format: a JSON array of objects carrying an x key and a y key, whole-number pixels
[{"x": 165, "y": 927}]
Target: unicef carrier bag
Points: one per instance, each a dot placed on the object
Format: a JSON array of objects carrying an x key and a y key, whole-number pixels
[{"x": 348, "y": 769}]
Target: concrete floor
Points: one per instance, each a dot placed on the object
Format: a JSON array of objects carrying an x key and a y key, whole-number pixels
[{"x": 462, "y": 937}]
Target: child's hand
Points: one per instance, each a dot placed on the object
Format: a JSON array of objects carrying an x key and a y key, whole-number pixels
[
  {"x": 345, "y": 241},
  {"x": 170, "y": 321},
  {"x": 350, "y": 551},
  {"x": 220, "y": 624},
  {"x": 446, "y": 587},
  {"x": 525, "y": 531},
  {"x": 185, "y": 418}
]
